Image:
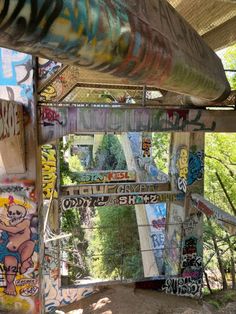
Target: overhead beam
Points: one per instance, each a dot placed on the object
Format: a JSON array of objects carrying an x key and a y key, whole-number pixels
[
  {"x": 55, "y": 122},
  {"x": 222, "y": 36},
  {"x": 146, "y": 41},
  {"x": 60, "y": 85}
]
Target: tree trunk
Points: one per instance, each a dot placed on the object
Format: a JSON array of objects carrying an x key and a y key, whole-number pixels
[
  {"x": 219, "y": 259},
  {"x": 232, "y": 263},
  {"x": 207, "y": 282}
]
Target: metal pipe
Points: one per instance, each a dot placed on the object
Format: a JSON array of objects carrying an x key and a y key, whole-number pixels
[{"x": 146, "y": 41}]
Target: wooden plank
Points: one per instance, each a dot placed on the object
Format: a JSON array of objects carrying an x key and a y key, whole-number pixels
[
  {"x": 55, "y": 122},
  {"x": 105, "y": 176},
  {"x": 82, "y": 201},
  {"x": 121, "y": 188},
  {"x": 12, "y": 147}
]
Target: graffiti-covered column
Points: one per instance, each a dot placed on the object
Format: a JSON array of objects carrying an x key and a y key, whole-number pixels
[
  {"x": 183, "y": 248},
  {"x": 179, "y": 152},
  {"x": 191, "y": 267},
  {"x": 20, "y": 187}
]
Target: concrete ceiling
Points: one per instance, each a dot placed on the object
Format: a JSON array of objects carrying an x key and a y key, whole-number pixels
[{"x": 214, "y": 20}]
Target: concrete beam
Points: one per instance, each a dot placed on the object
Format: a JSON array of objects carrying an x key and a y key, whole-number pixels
[
  {"x": 82, "y": 201},
  {"x": 114, "y": 188},
  {"x": 222, "y": 36},
  {"x": 55, "y": 122},
  {"x": 167, "y": 52}
]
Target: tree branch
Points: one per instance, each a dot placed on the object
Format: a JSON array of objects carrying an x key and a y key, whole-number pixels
[{"x": 222, "y": 162}]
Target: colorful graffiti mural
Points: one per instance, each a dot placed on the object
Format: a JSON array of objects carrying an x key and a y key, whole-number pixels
[
  {"x": 18, "y": 247},
  {"x": 16, "y": 76},
  {"x": 182, "y": 168},
  {"x": 62, "y": 84},
  {"x": 46, "y": 69},
  {"x": 173, "y": 56},
  {"x": 195, "y": 166},
  {"x": 49, "y": 170},
  {"x": 84, "y": 119},
  {"x": 156, "y": 215}
]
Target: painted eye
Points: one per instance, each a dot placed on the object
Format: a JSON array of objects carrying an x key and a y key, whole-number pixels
[
  {"x": 18, "y": 213},
  {"x": 10, "y": 212}
]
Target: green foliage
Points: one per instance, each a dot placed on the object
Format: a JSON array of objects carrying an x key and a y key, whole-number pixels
[
  {"x": 160, "y": 144},
  {"x": 67, "y": 168},
  {"x": 75, "y": 164},
  {"x": 110, "y": 155},
  {"x": 220, "y": 158},
  {"x": 115, "y": 244},
  {"x": 71, "y": 222},
  {"x": 229, "y": 61}
]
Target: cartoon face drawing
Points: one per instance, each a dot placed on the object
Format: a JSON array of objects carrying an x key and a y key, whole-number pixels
[{"x": 16, "y": 214}]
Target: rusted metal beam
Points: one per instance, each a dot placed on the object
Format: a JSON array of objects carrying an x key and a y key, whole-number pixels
[
  {"x": 55, "y": 122},
  {"x": 146, "y": 41}
]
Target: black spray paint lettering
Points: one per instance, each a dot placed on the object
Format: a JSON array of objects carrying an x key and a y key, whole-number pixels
[
  {"x": 183, "y": 286},
  {"x": 48, "y": 12}
]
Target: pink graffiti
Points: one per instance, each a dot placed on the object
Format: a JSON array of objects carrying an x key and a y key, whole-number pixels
[
  {"x": 159, "y": 223},
  {"x": 50, "y": 115}
]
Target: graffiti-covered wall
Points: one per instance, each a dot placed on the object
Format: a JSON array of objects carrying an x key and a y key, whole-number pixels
[
  {"x": 16, "y": 76},
  {"x": 19, "y": 193}
]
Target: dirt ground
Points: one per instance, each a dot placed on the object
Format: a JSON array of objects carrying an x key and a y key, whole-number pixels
[{"x": 127, "y": 300}]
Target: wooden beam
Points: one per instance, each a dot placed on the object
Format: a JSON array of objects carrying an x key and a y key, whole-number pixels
[
  {"x": 12, "y": 147},
  {"x": 55, "y": 122},
  {"x": 83, "y": 201},
  {"x": 114, "y": 188}
]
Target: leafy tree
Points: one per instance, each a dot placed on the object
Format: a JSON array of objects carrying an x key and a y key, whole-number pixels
[
  {"x": 220, "y": 186},
  {"x": 76, "y": 245},
  {"x": 114, "y": 247},
  {"x": 110, "y": 155},
  {"x": 160, "y": 144},
  {"x": 229, "y": 61}
]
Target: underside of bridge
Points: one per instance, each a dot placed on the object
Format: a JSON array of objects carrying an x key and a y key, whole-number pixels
[{"x": 147, "y": 66}]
